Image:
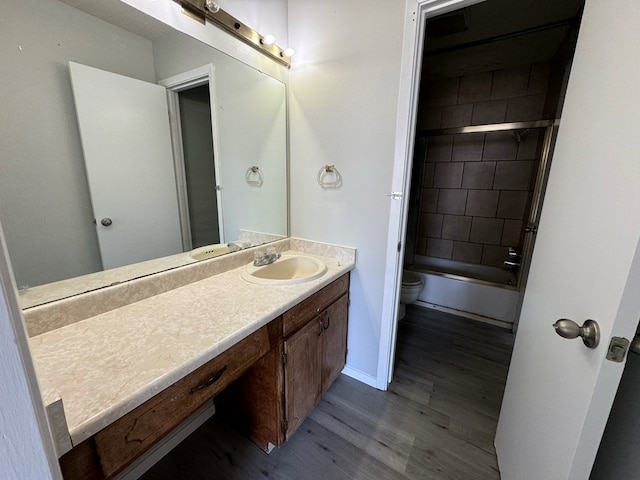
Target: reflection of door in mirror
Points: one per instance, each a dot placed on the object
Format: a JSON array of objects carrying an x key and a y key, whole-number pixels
[{"x": 124, "y": 127}]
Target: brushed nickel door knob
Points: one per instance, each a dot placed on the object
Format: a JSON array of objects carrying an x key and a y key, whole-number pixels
[
  {"x": 106, "y": 222},
  {"x": 589, "y": 331}
]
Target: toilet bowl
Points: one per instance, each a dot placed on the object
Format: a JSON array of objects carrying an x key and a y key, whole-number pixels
[{"x": 409, "y": 291}]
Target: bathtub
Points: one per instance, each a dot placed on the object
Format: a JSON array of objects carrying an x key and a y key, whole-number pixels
[{"x": 480, "y": 292}]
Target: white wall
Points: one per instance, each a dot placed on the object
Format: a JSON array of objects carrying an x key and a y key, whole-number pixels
[{"x": 344, "y": 85}]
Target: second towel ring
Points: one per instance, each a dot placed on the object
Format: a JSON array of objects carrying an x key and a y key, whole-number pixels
[
  {"x": 254, "y": 176},
  {"x": 329, "y": 177}
]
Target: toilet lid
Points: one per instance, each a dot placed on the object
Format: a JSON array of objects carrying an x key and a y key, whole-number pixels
[{"x": 411, "y": 279}]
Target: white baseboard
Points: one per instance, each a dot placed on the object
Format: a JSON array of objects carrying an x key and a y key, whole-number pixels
[
  {"x": 360, "y": 376},
  {"x": 168, "y": 443}
]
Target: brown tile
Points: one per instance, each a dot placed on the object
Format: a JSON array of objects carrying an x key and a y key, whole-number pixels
[
  {"x": 456, "y": 227},
  {"x": 421, "y": 245},
  {"x": 530, "y": 144},
  {"x": 494, "y": 255},
  {"x": 482, "y": 203},
  {"x": 512, "y": 233},
  {"x": 486, "y": 230},
  {"x": 437, "y": 247},
  {"x": 456, "y": 116},
  {"x": 439, "y": 148},
  {"x": 430, "y": 225},
  {"x": 428, "y": 174},
  {"x": 442, "y": 92},
  {"x": 448, "y": 175},
  {"x": 500, "y": 146},
  {"x": 538, "y": 78},
  {"x": 429, "y": 119},
  {"x": 494, "y": 111},
  {"x": 452, "y": 201},
  {"x": 525, "y": 109},
  {"x": 467, "y": 147},
  {"x": 475, "y": 87},
  {"x": 510, "y": 82},
  {"x": 514, "y": 175},
  {"x": 478, "y": 175},
  {"x": 513, "y": 205},
  {"x": 429, "y": 200},
  {"x": 467, "y": 252}
]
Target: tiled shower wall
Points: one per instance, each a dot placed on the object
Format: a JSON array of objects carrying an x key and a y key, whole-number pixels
[{"x": 477, "y": 188}]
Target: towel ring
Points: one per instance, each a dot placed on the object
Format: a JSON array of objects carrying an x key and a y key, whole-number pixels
[
  {"x": 254, "y": 177},
  {"x": 329, "y": 177}
]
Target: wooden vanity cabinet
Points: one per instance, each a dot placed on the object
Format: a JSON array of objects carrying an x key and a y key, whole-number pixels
[
  {"x": 315, "y": 356},
  {"x": 270, "y": 407}
]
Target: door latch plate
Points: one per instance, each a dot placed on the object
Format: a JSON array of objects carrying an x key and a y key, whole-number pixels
[{"x": 617, "y": 349}]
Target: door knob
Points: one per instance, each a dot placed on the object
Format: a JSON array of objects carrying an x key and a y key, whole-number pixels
[
  {"x": 589, "y": 331},
  {"x": 106, "y": 221}
]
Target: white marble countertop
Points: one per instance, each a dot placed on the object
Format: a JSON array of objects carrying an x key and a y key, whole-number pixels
[{"x": 105, "y": 366}]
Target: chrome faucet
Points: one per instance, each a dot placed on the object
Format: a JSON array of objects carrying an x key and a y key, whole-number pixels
[
  {"x": 237, "y": 246},
  {"x": 514, "y": 258},
  {"x": 262, "y": 258}
]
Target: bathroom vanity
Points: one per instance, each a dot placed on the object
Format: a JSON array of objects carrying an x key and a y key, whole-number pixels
[{"x": 127, "y": 377}]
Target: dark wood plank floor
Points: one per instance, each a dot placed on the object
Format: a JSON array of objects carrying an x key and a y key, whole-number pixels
[{"x": 436, "y": 422}]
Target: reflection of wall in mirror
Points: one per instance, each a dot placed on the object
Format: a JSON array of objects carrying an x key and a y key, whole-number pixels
[
  {"x": 44, "y": 198},
  {"x": 251, "y": 130}
]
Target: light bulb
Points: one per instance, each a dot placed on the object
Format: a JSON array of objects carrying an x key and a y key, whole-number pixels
[
  {"x": 269, "y": 39},
  {"x": 212, "y": 6},
  {"x": 289, "y": 52}
]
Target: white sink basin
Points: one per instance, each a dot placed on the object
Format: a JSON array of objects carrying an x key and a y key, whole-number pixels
[
  {"x": 209, "y": 251},
  {"x": 288, "y": 270}
]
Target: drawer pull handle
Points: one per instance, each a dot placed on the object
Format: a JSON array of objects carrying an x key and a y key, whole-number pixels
[
  {"x": 209, "y": 382},
  {"x": 326, "y": 321}
]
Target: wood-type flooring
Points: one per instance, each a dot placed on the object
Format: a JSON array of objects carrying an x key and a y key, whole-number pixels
[{"x": 436, "y": 422}]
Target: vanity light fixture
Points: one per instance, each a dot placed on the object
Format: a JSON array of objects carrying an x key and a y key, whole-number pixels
[
  {"x": 288, "y": 52},
  {"x": 210, "y": 10}
]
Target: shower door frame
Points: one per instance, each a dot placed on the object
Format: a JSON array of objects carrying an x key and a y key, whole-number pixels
[{"x": 544, "y": 163}]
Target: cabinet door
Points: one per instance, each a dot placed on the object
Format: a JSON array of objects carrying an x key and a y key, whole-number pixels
[
  {"x": 334, "y": 341},
  {"x": 302, "y": 373}
]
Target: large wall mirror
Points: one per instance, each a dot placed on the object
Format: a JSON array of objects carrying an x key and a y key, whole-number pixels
[{"x": 211, "y": 177}]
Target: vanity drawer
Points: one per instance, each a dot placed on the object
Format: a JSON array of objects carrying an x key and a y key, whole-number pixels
[
  {"x": 127, "y": 438},
  {"x": 299, "y": 315}
]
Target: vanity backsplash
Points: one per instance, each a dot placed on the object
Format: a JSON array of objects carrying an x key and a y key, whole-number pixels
[{"x": 57, "y": 314}]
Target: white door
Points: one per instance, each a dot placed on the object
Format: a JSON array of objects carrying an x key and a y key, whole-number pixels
[
  {"x": 586, "y": 262},
  {"x": 124, "y": 127}
]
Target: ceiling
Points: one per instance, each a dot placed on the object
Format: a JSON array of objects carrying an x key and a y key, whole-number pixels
[
  {"x": 122, "y": 15},
  {"x": 494, "y": 35}
]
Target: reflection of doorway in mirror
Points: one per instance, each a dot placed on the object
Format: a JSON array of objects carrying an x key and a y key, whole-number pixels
[
  {"x": 197, "y": 177},
  {"x": 199, "y": 170}
]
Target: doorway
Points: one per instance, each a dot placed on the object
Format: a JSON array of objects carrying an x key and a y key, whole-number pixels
[
  {"x": 191, "y": 100},
  {"x": 199, "y": 171},
  {"x": 491, "y": 94}
]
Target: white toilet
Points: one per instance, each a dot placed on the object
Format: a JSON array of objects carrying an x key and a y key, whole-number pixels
[{"x": 410, "y": 290}]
